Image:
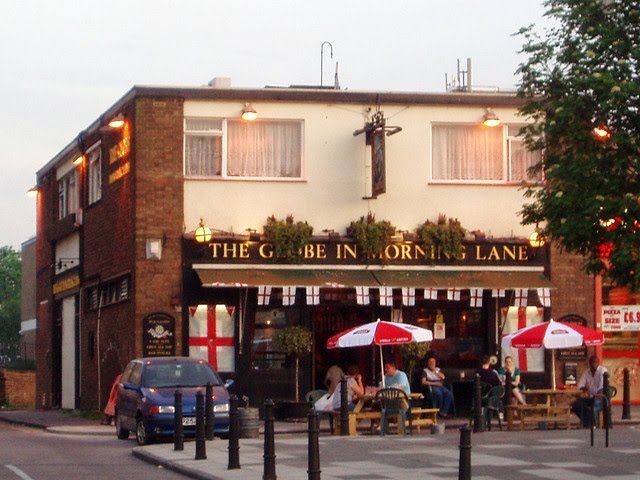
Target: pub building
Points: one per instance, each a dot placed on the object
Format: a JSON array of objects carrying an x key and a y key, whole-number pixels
[{"x": 151, "y": 241}]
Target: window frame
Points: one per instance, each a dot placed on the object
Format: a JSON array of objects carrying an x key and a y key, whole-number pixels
[
  {"x": 94, "y": 173},
  {"x": 223, "y": 134},
  {"x": 507, "y": 163},
  {"x": 68, "y": 194}
]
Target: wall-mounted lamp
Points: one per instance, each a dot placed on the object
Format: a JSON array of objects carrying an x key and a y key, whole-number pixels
[
  {"x": 249, "y": 113},
  {"x": 154, "y": 249},
  {"x": 490, "y": 119},
  {"x": 203, "y": 233},
  {"x": 33, "y": 191},
  {"x": 601, "y": 132},
  {"x": 254, "y": 236},
  {"x": 536, "y": 240},
  {"x": 78, "y": 161},
  {"x": 117, "y": 121}
]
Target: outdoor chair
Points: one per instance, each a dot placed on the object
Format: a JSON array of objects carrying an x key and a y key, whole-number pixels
[
  {"x": 394, "y": 403},
  {"x": 431, "y": 401},
  {"x": 491, "y": 405},
  {"x": 312, "y": 397},
  {"x": 606, "y": 403}
]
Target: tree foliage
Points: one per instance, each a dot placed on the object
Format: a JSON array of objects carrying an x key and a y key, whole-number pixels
[
  {"x": 10, "y": 287},
  {"x": 583, "y": 74}
]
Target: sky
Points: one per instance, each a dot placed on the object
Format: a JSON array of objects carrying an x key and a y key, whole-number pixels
[{"x": 65, "y": 62}]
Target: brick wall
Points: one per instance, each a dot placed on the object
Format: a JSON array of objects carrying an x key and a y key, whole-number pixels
[{"x": 18, "y": 388}]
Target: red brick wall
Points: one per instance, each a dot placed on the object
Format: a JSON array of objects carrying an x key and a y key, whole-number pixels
[{"x": 18, "y": 388}]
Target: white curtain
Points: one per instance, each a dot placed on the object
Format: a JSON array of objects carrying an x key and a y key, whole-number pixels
[{"x": 467, "y": 152}]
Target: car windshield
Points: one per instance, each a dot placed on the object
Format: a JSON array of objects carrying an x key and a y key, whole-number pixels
[{"x": 187, "y": 374}]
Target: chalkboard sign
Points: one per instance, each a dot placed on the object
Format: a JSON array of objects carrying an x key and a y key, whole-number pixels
[{"x": 159, "y": 338}]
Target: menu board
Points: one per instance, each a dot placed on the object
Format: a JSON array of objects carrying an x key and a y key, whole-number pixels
[{"x": 159, "y": 335}]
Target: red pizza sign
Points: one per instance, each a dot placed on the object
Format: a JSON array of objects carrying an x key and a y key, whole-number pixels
[{"x": 620, "y": 318}]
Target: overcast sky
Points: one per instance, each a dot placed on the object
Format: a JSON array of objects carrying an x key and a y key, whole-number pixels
[{"x": 64, "y": 62}]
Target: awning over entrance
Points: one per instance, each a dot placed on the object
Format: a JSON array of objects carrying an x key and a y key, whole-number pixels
[
  {"x": 326, "y": 278},
  {"x": 286, "y": 278},
  {"x": 467, "y": 279}
]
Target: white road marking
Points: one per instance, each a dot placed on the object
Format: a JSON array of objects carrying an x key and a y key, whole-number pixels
[{"x": 19, "y": 472}]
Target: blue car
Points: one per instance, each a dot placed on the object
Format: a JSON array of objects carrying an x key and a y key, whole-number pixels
[{"x": 146, "y": 397}]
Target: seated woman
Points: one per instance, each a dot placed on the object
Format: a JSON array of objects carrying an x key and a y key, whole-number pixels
[
  {"x": 433, "y": 378},
  {"x": 516, "y": 384},
  {"x": 355, "y": 388}
]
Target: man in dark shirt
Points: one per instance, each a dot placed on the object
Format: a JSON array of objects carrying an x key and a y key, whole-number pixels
[{"x": 487, "y": 373}]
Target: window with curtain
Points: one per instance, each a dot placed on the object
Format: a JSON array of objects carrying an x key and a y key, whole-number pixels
[
  {"x": 238, "y": 149},
  {"x": 476, "y": 153},
  {"x": 94, "y": 174}
]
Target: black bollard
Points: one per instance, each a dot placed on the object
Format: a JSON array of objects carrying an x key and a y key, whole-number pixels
[
  {"x": 209, "y": 423},
  {"x": 314, "y": 446},
  {"x": 606, "y": 390},
  {"x": 178, "y": 431},
  {"x": 626, "y": 396},
  {"x": 269, "y": 472},
  {"x": 201, "y": 444},
  {"x": 464, "y": 466},
  {"x": 234, "y": 434},
  {"x": 478, "y": 424},
  {"x": 344, "y": 407}
]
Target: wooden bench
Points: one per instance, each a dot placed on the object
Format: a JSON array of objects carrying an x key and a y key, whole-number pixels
[
  {"x": 354, "y": 417},
  {"x": 543, "y": 414},
  {"x": 423, "y": 417}
]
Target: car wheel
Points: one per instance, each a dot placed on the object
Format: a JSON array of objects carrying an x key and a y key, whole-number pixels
[
  {"x": 141, "y": 433},
  {"x": 121, "y": 432}
]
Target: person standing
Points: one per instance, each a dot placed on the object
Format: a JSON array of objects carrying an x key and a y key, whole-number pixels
[
  {"x": 433, "y": 378},
  {"x": 592, "y": 383}
]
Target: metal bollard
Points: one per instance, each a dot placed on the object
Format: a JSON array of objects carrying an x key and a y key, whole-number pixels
[
  {"x": 178, "y": 431},
  {"x": 478, "y": 424},
  {"x": 209, "y": 423},
  {"x": 201, "y": 445},
  {"x": 344, "y": 407},
  {"x": 314, "y": 446},
  {"x": 626, "y": 396},
  {"x": 606, "y": 390},
  {"x": 269, "y": 472},
  {"x": 464, "y": 466},
  {"x": 234, "y": 434}
]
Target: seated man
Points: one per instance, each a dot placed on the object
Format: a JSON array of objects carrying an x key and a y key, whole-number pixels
[
  {"x": 433, "y": 377},
  {"x": 395, "y": 378},
  {"x": 487, "y": 373},
  {"x": 590, "y": 382}
]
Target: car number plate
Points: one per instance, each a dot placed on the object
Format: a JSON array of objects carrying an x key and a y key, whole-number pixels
[{"x": 188, "y": 421}]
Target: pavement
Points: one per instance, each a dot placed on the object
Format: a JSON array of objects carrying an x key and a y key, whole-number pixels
[{"x": 494, "y": 455}]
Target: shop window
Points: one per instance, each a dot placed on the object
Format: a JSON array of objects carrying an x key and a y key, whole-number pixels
[
  {"x": 231, "y": 148},
  {"x": 94, "y": 174},
  {"x": 263, "y": 352},
  {"x": 478, "y": 154}
]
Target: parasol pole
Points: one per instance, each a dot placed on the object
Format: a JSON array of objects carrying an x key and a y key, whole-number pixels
[
  {"x": 553, "y": 370},
  {"x": 381, "y": 366}
]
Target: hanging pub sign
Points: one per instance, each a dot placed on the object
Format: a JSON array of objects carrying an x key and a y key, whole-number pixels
[
  {"x": 620, "y": 318},
  {"x": 159, "y": 338},
  {"x": 378, "y": 166}
]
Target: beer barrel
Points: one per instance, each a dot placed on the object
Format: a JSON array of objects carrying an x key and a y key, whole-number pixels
[{"x": 249, "y": 422}]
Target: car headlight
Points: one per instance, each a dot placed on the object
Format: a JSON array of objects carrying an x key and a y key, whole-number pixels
[
  {"x": 221, "y": 407},
  {"x": 162, "y": 409}
]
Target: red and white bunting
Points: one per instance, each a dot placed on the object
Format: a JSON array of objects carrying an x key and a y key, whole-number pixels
[
  {"x": 520, "y": 297},
  {"x": 313, "y": 295},
  {"x": 475, "y": 297},
  {"x": 453, "y": 294},
  {"x": 408, "y": 297},
  {"x": 498, "y": 293},
  {"x": 362, "y": 295},
  {"x": 430, "y": 293},
  {"x": 544, "y": 295},
  {"x": 264, "y": 294},
  {"x": 386, "y": 296},
  {"x": 288, "y": 296}
]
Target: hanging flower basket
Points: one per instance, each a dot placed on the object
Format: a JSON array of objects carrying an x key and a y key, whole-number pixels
[
  {"x": 444, "y": 236},
  {"x": 371, "y": 236},
  {"x": 288, "y": 237}
]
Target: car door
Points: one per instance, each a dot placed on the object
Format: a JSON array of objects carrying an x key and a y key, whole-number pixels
[{"x": 129, "y": 395}]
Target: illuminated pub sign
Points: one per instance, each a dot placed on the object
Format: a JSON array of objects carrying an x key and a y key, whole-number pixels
[{"x": 348, "y": 253}]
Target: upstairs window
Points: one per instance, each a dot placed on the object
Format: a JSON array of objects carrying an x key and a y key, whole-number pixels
[
  {"x": 68, "y": 194},
  {"x": 94, "y": 174},
  {"x": 230, "y": 148},
  {"x": 479, "y": 154}
]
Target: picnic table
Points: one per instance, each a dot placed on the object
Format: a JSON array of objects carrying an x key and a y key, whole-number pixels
[{"x": 545, "y": 406}]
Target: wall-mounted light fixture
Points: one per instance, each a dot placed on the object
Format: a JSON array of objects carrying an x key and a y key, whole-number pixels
[
  {"x": 154, "y": 249},
  {"x": 117, "y": 121},
  {"x": 203, "y": 233},
  {"x": 601, "y": 132},
  {"x": 249, "y": 113},
  {"x": 33, "y": 191},
  {"x": 536, "y": 240},
  {"x": 79, "y": 160},
  {"x": 490, "y": 119}
]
